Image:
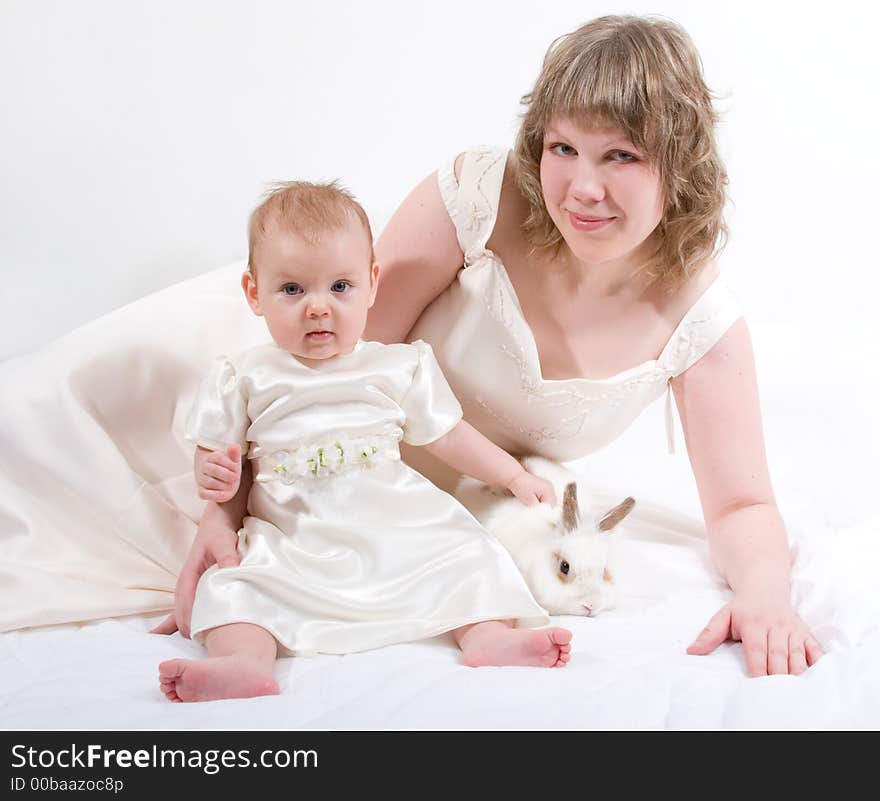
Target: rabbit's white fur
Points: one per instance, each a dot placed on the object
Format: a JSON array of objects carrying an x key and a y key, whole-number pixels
[{"x": 561, "y": 551}]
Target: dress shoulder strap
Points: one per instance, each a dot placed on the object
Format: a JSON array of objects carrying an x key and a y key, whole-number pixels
[
  {"x": 707, "y": 320},
  {"x": 472, "y": 202}
]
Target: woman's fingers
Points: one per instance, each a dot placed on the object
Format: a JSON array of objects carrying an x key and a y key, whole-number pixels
[
  {"x": 781, "y": 649},
  {"x": 167, "y": 626},
  {"x": 715, "y": 633},
  {"x": 754, "y": 641},
  {"x": 777, "y": 651},
  {"x": 797, "y": 657},
  {"x": 185, "y": 590},
  {"x": 813, "y": 650}
]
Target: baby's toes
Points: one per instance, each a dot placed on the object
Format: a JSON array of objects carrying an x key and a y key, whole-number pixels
[
  {"x": 169, "y": 691},
  {"x": 560, "y": 637}
]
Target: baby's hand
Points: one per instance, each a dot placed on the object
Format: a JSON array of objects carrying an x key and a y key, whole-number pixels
[
  {"x": 218, "y": 474},
  {"x": 530, "y": 489}
]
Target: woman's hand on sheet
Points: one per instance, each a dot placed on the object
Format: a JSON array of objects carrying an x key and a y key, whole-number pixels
[{"x": 775, "y": 640}]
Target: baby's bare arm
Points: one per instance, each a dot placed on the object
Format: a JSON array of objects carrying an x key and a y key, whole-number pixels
[{"x": 465, "y": 449}]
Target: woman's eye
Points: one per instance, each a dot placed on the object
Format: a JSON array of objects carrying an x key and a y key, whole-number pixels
[
  {"x": 291, "y": 289},
  {"x": 564, "y": 567},
  {"x": 562, "y": 150},
  {"x": 340, "y": 286}
]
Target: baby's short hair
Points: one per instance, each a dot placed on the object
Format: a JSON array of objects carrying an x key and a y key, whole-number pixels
[{"x": 307, "y": 210}]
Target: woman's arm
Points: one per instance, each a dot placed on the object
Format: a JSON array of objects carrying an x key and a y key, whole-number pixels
[
  {"x": 418, "y": 256},
  {"x": 216, "y": 542},
  {"x": 718, "y": 403}
]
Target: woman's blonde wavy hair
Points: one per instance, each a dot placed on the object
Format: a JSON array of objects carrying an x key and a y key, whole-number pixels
[{"x": 643, "y": 75}]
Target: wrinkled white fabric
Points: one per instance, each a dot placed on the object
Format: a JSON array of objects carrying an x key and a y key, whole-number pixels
[
  {"x": 336, "y": 561},
  {"x": 98, "y": 503},
  {"x": 489, "y": 356}
]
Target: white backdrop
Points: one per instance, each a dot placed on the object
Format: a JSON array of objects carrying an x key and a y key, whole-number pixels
[{"x": 137, "y": 136}]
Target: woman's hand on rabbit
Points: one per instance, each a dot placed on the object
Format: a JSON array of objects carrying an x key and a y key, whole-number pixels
[
  {"x": 531, "y": 489},
  {"x": 218, "y": 473},
  {"x": 775, "y": 640}
]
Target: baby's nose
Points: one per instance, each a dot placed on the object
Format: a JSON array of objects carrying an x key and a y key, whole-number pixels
[{"x": 318, "y": 308}]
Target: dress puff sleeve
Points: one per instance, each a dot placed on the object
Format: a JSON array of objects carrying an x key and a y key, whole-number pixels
[
  {"x": 431, "y": 407},
  {"x": 218, "y": 417}
]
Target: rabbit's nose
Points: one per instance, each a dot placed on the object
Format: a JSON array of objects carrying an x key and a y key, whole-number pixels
[{"x": 588, "y": 610}]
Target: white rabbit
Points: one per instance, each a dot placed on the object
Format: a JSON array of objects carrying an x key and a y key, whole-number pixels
[{"x": 561, "y": 552}]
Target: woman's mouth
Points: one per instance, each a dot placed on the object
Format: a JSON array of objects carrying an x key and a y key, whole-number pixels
[{"x": 588, "y": 222}]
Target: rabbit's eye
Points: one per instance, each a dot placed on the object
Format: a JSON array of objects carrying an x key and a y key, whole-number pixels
[{"x": 564, "y": 567}]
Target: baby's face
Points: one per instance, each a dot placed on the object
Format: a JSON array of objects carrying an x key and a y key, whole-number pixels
[{"x": 314, "y": 297}]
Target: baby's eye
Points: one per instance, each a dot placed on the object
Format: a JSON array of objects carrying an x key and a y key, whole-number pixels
[
  {"x": 340, "y": 286},
  {"x": 561, "y": 149},
  {"x": 564, "y": 567},
  {"x": 292, "y": 289},
  {"x": 622, "y": 156}
]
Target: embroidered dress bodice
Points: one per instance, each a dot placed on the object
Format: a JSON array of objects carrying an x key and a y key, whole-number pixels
[{"x": 488, "y": 352}]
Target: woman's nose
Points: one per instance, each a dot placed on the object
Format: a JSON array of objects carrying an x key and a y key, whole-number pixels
[{"x": 587, "y": 186}]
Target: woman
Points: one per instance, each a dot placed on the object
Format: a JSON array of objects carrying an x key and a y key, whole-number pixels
[{"x": 589, "y": 289}]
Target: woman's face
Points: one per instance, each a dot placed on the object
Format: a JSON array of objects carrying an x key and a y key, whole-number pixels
[{"x": 601, "y": 192}]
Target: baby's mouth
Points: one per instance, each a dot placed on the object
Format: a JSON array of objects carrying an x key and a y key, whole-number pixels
[{"x": 319, "y": 335}]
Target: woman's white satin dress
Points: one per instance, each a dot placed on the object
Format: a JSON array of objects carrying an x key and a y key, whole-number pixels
[{"x": 347, "y": 548}]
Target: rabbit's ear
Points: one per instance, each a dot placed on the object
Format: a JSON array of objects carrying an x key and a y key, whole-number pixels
[
  {"x": 616, "y": 515},
  {"x": 570, "y": 513}
]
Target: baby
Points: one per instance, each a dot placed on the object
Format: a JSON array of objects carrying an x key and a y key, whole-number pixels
[{"x": 344, "y": 547}]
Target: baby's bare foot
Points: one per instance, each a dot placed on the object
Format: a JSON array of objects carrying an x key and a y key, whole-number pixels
[
  {"x": 211, "y": 679},
  {"x": 536, "y": 648}
]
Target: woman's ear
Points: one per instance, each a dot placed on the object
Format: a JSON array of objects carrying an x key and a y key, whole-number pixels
[
  {"x": 374, "y": 284},
  {"x": 249, "y": 285}
]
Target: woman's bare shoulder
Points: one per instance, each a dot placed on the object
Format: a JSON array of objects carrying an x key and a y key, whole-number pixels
[{"x": 675, "y": 305}]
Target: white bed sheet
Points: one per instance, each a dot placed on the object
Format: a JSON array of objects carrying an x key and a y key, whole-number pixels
[{"x": 629, "y": 669}]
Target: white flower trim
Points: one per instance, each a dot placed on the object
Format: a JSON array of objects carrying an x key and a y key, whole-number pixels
[{"x": 320, "y": 460}]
